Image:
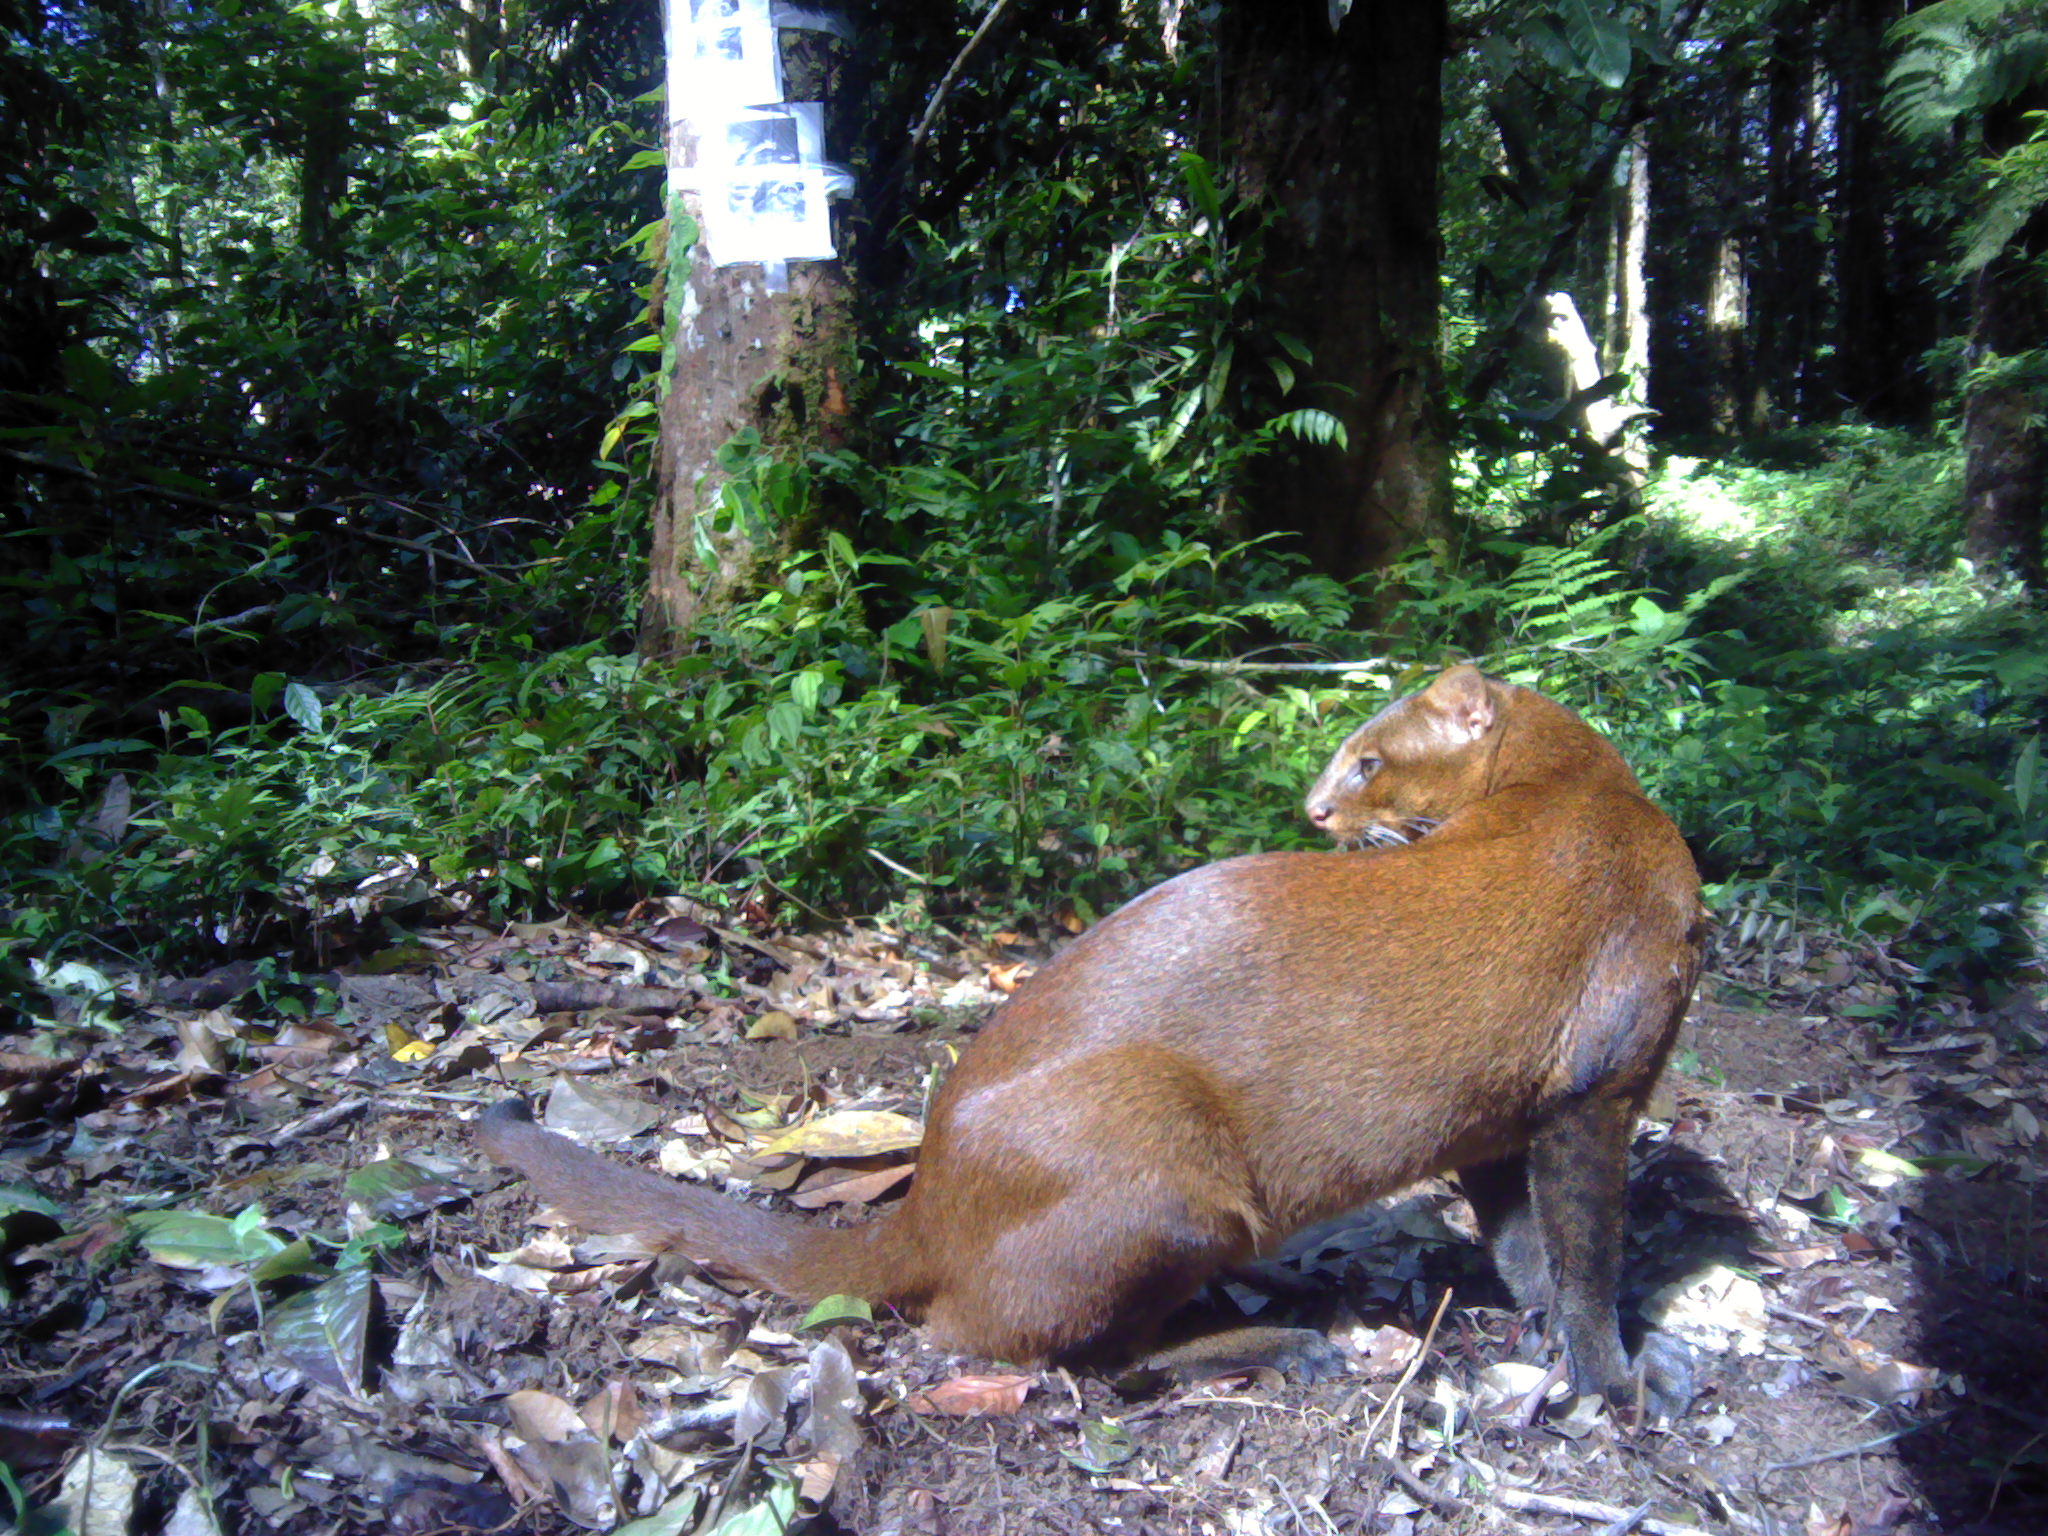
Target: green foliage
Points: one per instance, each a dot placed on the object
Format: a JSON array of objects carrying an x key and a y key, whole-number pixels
[
  {"x": 1857, "y": 749},
  {"x": 1961, "y": 58},
  {"x": 325, "y": 387},
  {"x": 1970, "y": 64},
  {"x": 321, "y": 601}
]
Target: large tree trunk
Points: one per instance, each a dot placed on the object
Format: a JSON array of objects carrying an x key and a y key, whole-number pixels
[
  {"x": 1566, "y": 354},
  {"x": 1632, "y": 303},
  {"x": 1872, "y": 348},
  {"x": 1785, "y": 278},
  {"x": 1728, "y": 339},
  {"x": 1337, "y": 135},
  {"x": 2005, "y": 445},
  {"x": 745, "y": 357},
  {"x": 776, "y": 362}
]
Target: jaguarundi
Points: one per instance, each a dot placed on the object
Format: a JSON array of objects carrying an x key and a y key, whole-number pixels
[{"x": 1273, "y": 1039}]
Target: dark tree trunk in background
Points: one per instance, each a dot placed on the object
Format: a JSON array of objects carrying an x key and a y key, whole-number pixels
[
  {"x": 483, "y": 32},
  {"x": 1728, "y": 339},
  {"x": 326, "y": 111},
  {"x": 2002, "y": 434},
  {"x": 1788, "y": 255},
  {"x": 2004, "y": 442},
  {"x": 1868, "y": 356},
  {"x": 1337, "y": 134}
]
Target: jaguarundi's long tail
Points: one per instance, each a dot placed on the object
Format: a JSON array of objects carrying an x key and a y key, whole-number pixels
[{"x": 778, "y": 1253}]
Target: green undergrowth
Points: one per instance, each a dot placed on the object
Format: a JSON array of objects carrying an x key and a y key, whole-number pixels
[
  {"x": 845, "y": 742},
  {"x": 1863, "y": 755}
]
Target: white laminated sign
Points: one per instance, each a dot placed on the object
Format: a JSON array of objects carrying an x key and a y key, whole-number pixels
[{"x": 760, "y": 160}]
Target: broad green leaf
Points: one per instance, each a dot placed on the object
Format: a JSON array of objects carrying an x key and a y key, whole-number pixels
[
  {"x": 19, "y": 1197},
  {"x": 805, "y": 688},
  {"x": 838, "y": 1309},
  {"x": 195, "y": 1240},
  {"x": 1103, "y": 1446},
  {"x": 1201, "y": 187},
  {"x": 303, "y": 705},
  {"x": 2026, "y": 773},
  {"x": 774, "y": 1515},
  {"x": 1599, "y": 41},
  {"x": 397, "y": 1190},
  {"x": 679, "y": 1514}
]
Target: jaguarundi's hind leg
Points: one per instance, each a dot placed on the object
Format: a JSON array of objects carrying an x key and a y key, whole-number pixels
[
  {"x": 1111, "y": 1246},
  {"x": 1578, "y": 1175},
  {"x": 1092, "y": 1278},
  {"x": 1499, "y": 1195}
]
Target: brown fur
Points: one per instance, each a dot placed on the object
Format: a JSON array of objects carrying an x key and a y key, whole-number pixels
[{"x": 1273, "y": 1039}]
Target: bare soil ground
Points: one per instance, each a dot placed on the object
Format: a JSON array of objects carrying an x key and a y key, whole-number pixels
[{"x": 1841, "y": 1220}]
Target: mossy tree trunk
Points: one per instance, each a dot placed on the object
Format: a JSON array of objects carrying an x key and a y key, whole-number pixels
[
  {"x": 2004, "y": 442},
  {"x": 744, "y": 358}
]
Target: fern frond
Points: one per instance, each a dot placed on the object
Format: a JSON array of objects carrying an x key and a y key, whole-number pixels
[
  {"x": 2018, "y": 187},
  {"x": 1960, "y": 57}
]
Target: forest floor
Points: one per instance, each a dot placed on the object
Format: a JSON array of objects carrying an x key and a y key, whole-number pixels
[{"x": 1840, "y": 1219}]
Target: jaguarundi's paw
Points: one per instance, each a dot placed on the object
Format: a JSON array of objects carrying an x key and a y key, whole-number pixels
[{"x": 1665, "y": 1367}]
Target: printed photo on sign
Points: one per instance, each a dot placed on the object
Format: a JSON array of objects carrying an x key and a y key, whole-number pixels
[
  {"x": 770, "y": 218},
  {"x": 733, "y": 55},
  {"x": 769, "y": 203},
  {"x": 764, "y": 140}
]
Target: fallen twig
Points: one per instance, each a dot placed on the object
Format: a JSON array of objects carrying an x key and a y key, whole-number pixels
[
  {"x": 1372, "y": 1430},
  {"x": 1840, "y": 1452},
  {"x": 319, "y": 1120},
  {"x": 1415, "y": 1487},
  {"x": 1532, "y": 1503}
]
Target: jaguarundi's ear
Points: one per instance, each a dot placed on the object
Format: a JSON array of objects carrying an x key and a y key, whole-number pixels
[{"x": 1464, "y": 697}]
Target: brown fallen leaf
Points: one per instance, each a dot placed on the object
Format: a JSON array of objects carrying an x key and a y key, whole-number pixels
[
  {"x": 972, "y": 1396},
  {"x": 841, "y": 1186},
  {"x": 1796, "y": 1258},
  {"x": 615, "y": 1413},
  {"x": 18, "y": 1067},
  {"x": 814, "y": 1479},
  {"x": 523, "y": 1485},
  {"x": 1007, "y": 978},
  {"x": 1383, "y": 1351},
  {"x": 1869, "y": 1373},
  {"x": 199, "y": 1040},
  {"x": 773, "y": 1025},
  {"x": 165, "y": 1090},
  {"x": 303, "y": 1043}
]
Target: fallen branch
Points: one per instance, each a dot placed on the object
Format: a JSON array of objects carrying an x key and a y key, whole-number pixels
[
  {"x": 610, "y": 997},
  {"x": 1531, "y": 1503},
  {"x": 1443, "y": 1503}
]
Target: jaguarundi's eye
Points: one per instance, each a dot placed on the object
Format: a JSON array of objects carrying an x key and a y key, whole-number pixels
[{"x": 1365, "y": 768}]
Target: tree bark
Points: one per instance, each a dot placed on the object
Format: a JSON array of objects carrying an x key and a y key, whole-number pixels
[
  {"x": 1572, "y": 365},
  {"x": 1337, "y": 137},
  {"x": 1632, "y": 303},
  {"x": 1867, "y": 332},
  {"x": 745, "y": 357},
  {"x": 326, "y": 116},
  {"x": 2005, "y": 446},
  {"x": 1728, "y": 342}
]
